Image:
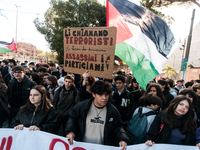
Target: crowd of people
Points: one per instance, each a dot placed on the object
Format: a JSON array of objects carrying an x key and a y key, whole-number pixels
[{"x": 96, "y": 110}]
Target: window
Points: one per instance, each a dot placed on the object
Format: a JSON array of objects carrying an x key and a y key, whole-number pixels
[
  {"x": 28, "y": 51},
  {"x": 21, "y": 45},
  {"x": 27, "y": 54}
]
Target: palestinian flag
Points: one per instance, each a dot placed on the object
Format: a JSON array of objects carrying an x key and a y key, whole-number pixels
[
  {"x": 143, "y": 39},
  {"x": 7, "y": 47}
]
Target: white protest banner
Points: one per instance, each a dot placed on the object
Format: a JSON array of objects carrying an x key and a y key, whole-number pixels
[{"x": 11, "y": 139}]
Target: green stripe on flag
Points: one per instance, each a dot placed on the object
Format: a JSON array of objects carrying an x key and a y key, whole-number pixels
[
  {"x": 142, "y": 68},
  {"x": 5, "y": 50}
]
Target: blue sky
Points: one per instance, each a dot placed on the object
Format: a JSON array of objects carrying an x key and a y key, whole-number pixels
[{"x": 29, "y": 10}]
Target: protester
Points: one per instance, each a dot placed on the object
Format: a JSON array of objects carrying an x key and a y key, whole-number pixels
[
  {"x": 165, "y": 89},
  {"x": 134, "y": 88},
  {"x": 61, "y": 80},
  {"x": 142, "y": 119},
  {"x": 36, "y": 78},
  {"x": 194, "y": 99},
  {"x": 84, "y": 90},
  {"x": 3, "y": 86},
  {"x": 96, "y": 120},
  {"x": 4, "y": 112},
  {"x": 179, "y": 86},
  {"x": 32, "y": 65},
  {"x": 7, "y": 78},
  {"x": 66, "y": 97},
  {"x": 52, "y": 87},
  {"x": 155, "y": 89},
  {"x": 53, "y": 70},
  {"x": 176, "y": 125},
  {"x": 37, "y": 114},
  {"x": 44, "y": 79},
  {"x": 41, "y": 72},
  {"x": 172, "y": 91},
  {"x": 196, "y": 89},
  {"x": 123, "y": 100},
  {"x": 18, "y": 90},
  {"x": 4, "y": 67},
  {"x": 5, "y": 70},
  {"x": 188, "y": 85}
]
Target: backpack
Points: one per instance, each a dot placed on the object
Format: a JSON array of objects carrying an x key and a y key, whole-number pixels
[
  {"x": 137, "y": 126},
  {"x": 176, "y": 90}
]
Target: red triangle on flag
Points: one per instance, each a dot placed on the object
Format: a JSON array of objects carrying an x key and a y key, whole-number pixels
[
  {"x": 12, "y": 46},
  {"x": 116, "y": 19}
]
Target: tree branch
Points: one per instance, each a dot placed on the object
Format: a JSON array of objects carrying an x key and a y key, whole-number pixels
[{"x": 193, "y": 1}]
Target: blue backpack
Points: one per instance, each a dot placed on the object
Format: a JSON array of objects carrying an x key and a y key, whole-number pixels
[{"x": 137, "y": 126}]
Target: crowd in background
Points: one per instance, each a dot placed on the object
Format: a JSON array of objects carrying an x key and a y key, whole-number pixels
[{"x": 47, "y": 98}]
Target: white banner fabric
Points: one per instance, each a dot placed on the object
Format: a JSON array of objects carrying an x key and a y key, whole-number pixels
[{"x": 11, "y": 139}]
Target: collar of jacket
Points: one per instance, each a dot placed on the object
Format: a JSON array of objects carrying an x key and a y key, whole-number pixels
[
  {"x": 116, "y": 91},
  {"x": 88, "y": 105},
  {"x": 71, "y": 89},
  {"x": 32, "y": 108},
  {"x": 23, "y": 80}
]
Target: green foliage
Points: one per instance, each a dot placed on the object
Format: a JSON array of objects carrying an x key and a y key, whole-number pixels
[
  {"x": 71, "y": 13},
  {"x": 153, "y": 4}
]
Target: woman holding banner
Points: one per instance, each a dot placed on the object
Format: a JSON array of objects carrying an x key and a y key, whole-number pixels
[
  {"x": 37, "y": 114},
  {"x": 176, "y": 125}
]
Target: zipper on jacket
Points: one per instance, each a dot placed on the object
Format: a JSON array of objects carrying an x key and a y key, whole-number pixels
[{"x": 33, "y": 117}]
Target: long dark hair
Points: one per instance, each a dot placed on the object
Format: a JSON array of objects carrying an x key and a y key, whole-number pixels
[
  {"x": 158, "y": 89},
  {"x": 186, "y": 122},
  {"x": 45, "y": 104},
  {"x": 131, "y": 88},
  {"x": 54, "y": 81},
  {"x": 191, "y": 94},
  {"x": 1, "y": 78},
  {"x": 36, "y": 78}
]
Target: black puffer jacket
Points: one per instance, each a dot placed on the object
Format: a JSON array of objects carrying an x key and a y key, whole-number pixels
[
  {"x": 46, "y": 122},
  {"x": 64, "y": 100},
  {"x": 18, "y": 93},
  {"x": 4, "y": 112},
  {"x": 113, "y": 130}
]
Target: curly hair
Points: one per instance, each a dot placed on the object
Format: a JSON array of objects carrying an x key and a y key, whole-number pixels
[
  {"x": 158, "y": 89},
  {"x": 100, "y": 88}
]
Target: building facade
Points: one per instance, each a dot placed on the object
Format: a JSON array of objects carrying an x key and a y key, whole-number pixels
[{"x": 26, "y": 50}]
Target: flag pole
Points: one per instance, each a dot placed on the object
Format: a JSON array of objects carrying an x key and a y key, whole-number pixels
[
  {"x": 16, "y": 26},
  {"x": 188, "y": 44}
]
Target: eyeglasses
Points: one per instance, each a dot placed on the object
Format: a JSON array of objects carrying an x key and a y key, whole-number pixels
[{"x": 18, "y": 72}]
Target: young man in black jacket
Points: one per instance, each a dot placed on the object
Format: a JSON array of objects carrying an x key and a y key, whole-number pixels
[
  {"x": 96, "y": 120},
  {"x": 64, "y": 100},
  {"x": 123, "y": 100},
  {"x": 18, "y": 90}
]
